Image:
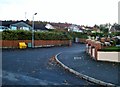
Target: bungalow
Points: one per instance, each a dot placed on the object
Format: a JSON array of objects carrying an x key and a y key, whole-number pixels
[
  {"x": 96, "y": 29},
  {"x": 49, "y": 26},
  {"x": 40, "y": 27},
  {"x": 74, "y": 28},
  {"x": 20, "y": 26},
  {"x": 15, "y": 25},
  {"x": 2, "y": 28},
  {"x": 24, "y": 25},
  {"x": 115, "y": 28}
]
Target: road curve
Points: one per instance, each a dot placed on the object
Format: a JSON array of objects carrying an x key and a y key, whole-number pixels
[
  {"x": 82, "y": 76},
  {"x": 32, "y": 67}
]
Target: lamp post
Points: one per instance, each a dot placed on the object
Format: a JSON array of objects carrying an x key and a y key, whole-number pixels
[{"x": 33, "y": 30}]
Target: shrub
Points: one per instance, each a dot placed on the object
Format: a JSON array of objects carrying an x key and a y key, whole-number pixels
[
  {"x": 27, "y": 35},
  {"x": 114, "y": 48},
  {"x": 78, "y": 34},
  {"x": 9, "y": 35},
  {"x": 117, "y": 33}
]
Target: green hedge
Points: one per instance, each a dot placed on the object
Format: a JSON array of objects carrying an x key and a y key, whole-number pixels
[
  {"x": 27, "y": 35},
  {"x": 78, "y": 34},
  {"x": 97, "y": 34},
  {"x": 114, "y": 48},
  {"x": 116, "y": 33}
]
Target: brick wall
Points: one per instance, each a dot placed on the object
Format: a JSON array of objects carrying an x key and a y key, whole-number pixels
[
  {"x": 93, "y": 44},
  {"x": 15, "y": 43}
]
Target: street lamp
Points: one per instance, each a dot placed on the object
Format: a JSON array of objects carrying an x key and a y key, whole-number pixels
[{"x": 33, "y": 30}]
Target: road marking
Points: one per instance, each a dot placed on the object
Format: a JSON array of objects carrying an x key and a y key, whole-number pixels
[{"x": 76, "y": 58}]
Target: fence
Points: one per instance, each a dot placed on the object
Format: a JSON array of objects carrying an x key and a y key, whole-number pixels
[{"x": 37, "y": 43}]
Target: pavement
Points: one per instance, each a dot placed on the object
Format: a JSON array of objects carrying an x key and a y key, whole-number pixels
[{"x": 79, "y": 61}]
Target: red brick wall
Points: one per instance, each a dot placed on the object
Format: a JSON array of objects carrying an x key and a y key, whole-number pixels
[
  {"x": 95, "y": 44},
  {"x": 15, "y": 43},
  {"x": 81, "y": 40}
]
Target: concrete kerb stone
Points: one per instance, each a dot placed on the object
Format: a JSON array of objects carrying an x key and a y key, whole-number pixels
[{"x": 80, "y": 75}]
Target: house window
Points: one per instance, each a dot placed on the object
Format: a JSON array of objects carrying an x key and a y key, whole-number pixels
[
  {"x": 13, "y": 28},
  {"x": 25, "y": 28}
]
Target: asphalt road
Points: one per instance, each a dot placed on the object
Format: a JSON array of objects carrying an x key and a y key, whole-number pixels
[
  {"x": 33, "y": 67},
  {"x": 80, "y": 62}
]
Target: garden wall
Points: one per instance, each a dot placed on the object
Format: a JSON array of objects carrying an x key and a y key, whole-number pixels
[
  {"x": 38, "y": 43},
  {"x": 108, "y": 56},
  {"x": 80, "y": 40},
  {"x": 93, "y": 47}
]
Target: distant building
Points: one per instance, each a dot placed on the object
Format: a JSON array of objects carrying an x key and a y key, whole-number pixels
[
  {"x": 23, "y": 25},
  {"x": 40, "y": 27},
  {"x": 74, "y": 28},
  {"x": 16, "y": 25},
  {"x": 95, "y": 29},
  {"x": 115, "y": 28},
  {"x": 20, "y": 26},
  {"x": 49, "y": 26}
]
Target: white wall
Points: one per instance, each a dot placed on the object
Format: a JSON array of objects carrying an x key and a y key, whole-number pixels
[
  {"x": 108, "y": 56},
  {"x": 48, "y": 26},
  {"x": 93, "y": 53},
  {"x": 13, "y": 28},
  {"x": 89, "y": 50}
]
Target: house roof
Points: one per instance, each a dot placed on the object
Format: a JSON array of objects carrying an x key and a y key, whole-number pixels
[
  {"x": 21, "y": 24},
  {"x": 37, "y": 25},
  {"x": 7, "y": 23},
  {"x": 60, "y": 25},
  {"x": 40, "y": 26},
  {"x": 115, "y": 28}
]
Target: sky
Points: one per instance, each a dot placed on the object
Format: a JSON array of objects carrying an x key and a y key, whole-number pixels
[{"x": 81, "y": 12}]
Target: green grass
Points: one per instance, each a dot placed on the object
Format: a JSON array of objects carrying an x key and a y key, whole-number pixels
[{"x": 114, "y": 48}]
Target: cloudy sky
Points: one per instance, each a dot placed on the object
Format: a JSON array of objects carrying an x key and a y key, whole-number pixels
[{"x": 82, "y": 12}]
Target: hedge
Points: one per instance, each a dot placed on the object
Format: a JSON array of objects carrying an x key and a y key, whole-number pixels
[
  {"x": 78, "y": 35},
  {"x": 27, "y": 35},
  {"x": 114, "y": 48}
]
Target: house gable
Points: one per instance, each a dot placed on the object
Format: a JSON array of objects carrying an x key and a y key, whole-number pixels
[
  {"x": 49, "y": 26},
  {"x": 21, "y": 25}
]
